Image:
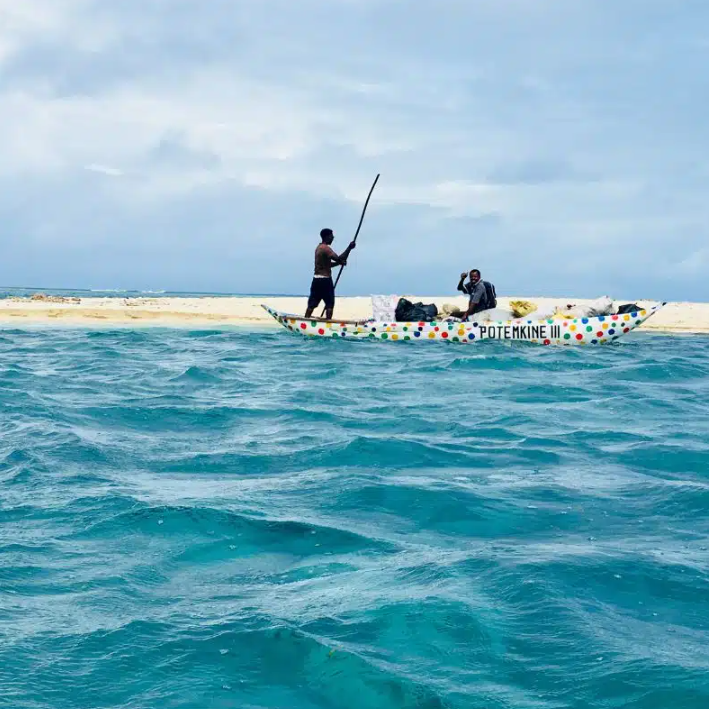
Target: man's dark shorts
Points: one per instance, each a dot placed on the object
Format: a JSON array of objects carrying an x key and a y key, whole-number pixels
[{"x": 322, "y": 289}]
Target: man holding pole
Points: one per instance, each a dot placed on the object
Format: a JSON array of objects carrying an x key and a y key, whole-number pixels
[{"x": 322, "y": 287}]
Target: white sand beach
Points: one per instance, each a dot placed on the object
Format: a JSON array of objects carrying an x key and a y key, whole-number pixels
[{"x": 210, "y": 311}]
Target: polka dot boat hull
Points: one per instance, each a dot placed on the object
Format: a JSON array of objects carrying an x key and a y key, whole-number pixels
[{"x": 554, "y": 331}]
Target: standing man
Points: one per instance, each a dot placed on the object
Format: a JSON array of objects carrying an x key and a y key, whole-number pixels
[{"x": 322, "y": 287}]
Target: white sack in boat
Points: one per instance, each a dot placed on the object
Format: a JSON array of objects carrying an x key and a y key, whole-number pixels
[
  {"x": 600, "y": 306},
  {"x": 541, "y": 313},
  {"x": 493, "y": 314},
  {"x": 384, "y": 307},
  {"x": 450, "y": 310}
]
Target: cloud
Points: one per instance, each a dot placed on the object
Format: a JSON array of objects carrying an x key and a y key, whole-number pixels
[
  {"x": 695, "y": 264},
  {"x": 104, "y": 170},
  {"x": 554, "y": 141}
]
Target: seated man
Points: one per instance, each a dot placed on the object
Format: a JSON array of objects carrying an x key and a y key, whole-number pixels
[{"x": 481, "y": 294}]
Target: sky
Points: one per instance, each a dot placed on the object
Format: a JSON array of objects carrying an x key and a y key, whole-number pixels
[{"x": 560, "y": 146}]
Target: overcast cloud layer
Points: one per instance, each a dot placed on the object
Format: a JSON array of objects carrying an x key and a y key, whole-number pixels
[{"x": 559, "y": 145}]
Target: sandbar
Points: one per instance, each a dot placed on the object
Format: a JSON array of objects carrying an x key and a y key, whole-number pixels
[{"x": 676, "y": 317}]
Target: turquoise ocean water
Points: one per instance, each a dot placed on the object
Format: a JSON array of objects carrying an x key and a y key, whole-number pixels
[{"x": 212, "y": 519}]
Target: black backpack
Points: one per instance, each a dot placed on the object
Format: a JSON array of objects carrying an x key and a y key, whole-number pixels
[{"x": 490, "y": 296}]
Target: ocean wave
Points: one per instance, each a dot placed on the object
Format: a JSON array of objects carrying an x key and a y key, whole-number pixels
[{"x": 248, "y": 519}]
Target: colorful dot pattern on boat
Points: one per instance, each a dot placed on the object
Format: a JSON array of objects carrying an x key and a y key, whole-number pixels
[{"x": 554, "y": 331}]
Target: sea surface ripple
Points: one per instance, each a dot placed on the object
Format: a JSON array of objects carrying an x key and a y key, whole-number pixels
[{"x": 244, "y": 519}]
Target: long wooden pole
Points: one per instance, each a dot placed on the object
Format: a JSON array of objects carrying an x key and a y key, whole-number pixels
[{"x": 359, "y": 226}]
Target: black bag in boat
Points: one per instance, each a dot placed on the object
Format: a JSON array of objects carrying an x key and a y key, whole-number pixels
[
  {"x": 406, "y": 311},
  {"x": 629, "y": 308}
]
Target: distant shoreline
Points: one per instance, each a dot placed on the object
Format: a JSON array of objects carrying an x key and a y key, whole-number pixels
[
  {"x": 7, "y": 292},
  {"x": 168, "y": 311}
]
